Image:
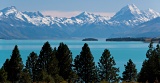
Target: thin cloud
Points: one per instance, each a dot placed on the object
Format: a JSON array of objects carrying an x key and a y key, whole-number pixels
[
  {"x": 60, "y": 13},
  {"x": 72, "y": 14}
]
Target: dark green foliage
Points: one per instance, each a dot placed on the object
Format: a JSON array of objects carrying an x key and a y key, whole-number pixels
[
  {"x": 126, "y": 39},
  {"x": 84, "y": 65},
  {"x": 3, "y": 76},
  {"x": 45, "y": 55},
  {"x": 46, "y": 63},
  {"x": 53, "y": 68},
  {"x": 143, "y": 75},
  {"x": 15, "y": 66},
  {"x": 107, "y": 69},
  {"x": 150, "y": 50},
  {"x": 64, "y": 57},
  {"x": 56, "y": 66},
  {"x": 25, "y": 77},
  {"x": 130, "y": 73},
  {"x": 6, "y": 66},
  {"x": 96, "y": 75},
  {"x": 31, "y": 65},
  {"x": 45, "y": 77},
  {"x": 58, "y": 78},
  {"x": 150, "y": 70},
  {"x": 42, "y": 64},
  {"x": 77, "y": 67}
]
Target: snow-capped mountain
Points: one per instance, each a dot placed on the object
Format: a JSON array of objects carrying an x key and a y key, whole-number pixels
[
  {"x": 147, "y": 29},
  {"x": 88, "y": 18},
  {"x": 37, "y": 18},
  {"x": 130, "y": 15},
  {"x": 151, "y": 14},
  {"x": 11, "y": 12},
  {"x": 18, "y": 24}
]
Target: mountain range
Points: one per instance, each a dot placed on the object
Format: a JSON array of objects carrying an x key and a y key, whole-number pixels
[{"x": 129, "y": 21}]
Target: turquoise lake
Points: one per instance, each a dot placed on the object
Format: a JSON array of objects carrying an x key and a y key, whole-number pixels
[{"x": 121, "y": 51}]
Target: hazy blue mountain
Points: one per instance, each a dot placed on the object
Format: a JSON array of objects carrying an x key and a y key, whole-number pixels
[
  {"x": 129, "y": 21},
  {"x": 147, "y": 29}
]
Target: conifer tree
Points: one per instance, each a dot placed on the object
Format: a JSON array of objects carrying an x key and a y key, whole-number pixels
[
  {"x": 45, "y": 55},
  {"x": 150, "y": 50},
  {"x": 15, "y": 66},
  {"x": 42, "y": 64},
  {"x": 25, "y": 76},
  {"x": 64, "y": 57},
  {"x": 143, "y": 75},
  {"x": 31, "y": 65},
  {"x": 6, "y": 67},
  {"x": 150, "y": 70},
  {"x": 53, "y": 68},
  {"x": 3, "y": 75},
  {"x": 158, "y": 62},
  {"x": 130, "y": 73},
  {"x": 84, "y": 65},
  {"x": 77, "y": 67},
  {"x": 45, "y": 77},
  {"x": 107, "y": 69}
]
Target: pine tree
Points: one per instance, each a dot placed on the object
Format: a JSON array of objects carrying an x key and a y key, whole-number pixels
[
  {"x": 150, "y": 70},
  {"x": 31, "y": 65},
  {"x": 107, "y": 69},
  {"x": 77, "y": 67},
  {"x": 143, "y": 74},
  {"x": 130, "y": 73},
  {"x": 150, "y": 50},
  {"x": 6, "y": 67},
  {"x": 64, "y": 57},
  {"x": 25, "y": 77},
  {"x": 15, "y": 66},
  {"x": 45, "y": 55},
  {"x": 84, "y": 65},
  {"x": 45, "y": 77},
  {"x": 42, "y": 64},
  {"x": 158, "y": 62},
  {"x": 53, "y": 68},
  {"x": 3, "y": 75}
]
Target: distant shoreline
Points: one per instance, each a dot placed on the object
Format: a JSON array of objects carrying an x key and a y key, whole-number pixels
[
  {"x": 143, "y": 39},
  {"x": 90, "y": 39}
]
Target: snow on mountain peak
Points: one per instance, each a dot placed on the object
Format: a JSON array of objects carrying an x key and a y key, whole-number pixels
[
  {"x": 85, "y": 15},
  {"x": 150, "y": 13},
  {"x": 9, "y": 10},
  {"x": 127, "y": 14},
  {"x": 132, "y": 8},
  {"x": 153, "y": 12},
  {"x": 85, "y": 18},
  {"x": 34, "y": 14},
  {"x": 1, "y": 13}
]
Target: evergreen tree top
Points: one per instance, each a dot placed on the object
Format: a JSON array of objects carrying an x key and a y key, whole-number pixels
[
  {"x": 86, "y": 51},
  {"x": 15, "y": 57}
]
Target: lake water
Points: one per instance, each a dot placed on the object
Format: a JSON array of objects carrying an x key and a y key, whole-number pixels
[{"x": 121, "y": 51}]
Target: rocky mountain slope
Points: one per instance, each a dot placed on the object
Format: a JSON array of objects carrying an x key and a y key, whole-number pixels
[{"x": 16, "y": 24}]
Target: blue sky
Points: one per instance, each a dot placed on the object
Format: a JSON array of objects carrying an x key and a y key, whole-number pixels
[{"x": 71, "y": 7}]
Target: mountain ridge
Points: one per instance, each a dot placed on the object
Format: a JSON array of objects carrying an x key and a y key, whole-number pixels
[{"x": 84, "y": 24}]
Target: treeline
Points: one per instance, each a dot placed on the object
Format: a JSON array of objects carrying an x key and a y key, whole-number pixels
[
  {"x": 126, "y": 39},
  {"x": 56, "y": 65},
  {"x": 143, "y": 39}
]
